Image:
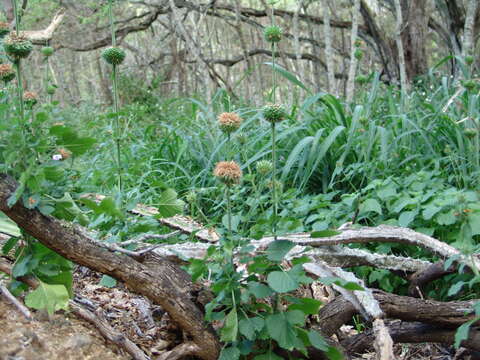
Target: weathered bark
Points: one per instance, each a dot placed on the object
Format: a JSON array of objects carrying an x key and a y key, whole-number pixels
[
  {"x": 441, "y": 314},
  {"x": 352, "y": 71},
  {"x": 414, "y": 37},
  {"x": 327, "y": 31},
  {"x": 158, "y": 279},
  {"x": 405, "y": 332},
  {"x": 422, "y": 278},
  {"x": 468, "y": 32},
  {"x": 401, "y": 52}
]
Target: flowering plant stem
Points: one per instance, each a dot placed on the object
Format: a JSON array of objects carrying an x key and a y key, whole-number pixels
[
  {"x": 274, "y": 157},
  {"x": 115, "y": 102}
]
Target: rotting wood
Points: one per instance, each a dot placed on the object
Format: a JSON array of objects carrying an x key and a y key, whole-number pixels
[{"x": 163, "y": 283}]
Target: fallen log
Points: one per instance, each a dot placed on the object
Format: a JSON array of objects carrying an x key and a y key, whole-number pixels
[{"x": 158, "y": 279}]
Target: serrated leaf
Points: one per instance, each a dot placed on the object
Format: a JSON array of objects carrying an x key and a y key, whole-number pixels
[
  {"x": 280, "y": 329},
  {"x": 230, "y": 353},
  {"x": 259, "y": 290},
  {"x": 249, "y": 326},
  {"x": 281, "y": 282},
  {"x": 277, "y": 250},
  {"x": 229, "y": 331},
  {"x": 317, "y": 340},
  {"x": 48, "y": 297},
  {"x": 168, "y": 204},
  {"x": 307, "y": 306},
  {"x": 406, "y": 217}
]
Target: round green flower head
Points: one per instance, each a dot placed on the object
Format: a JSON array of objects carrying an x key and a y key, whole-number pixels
[
  {"x": 469, "y": 85},
  {"x": 229, "y": 122},
  {"x": 470, "y": 132},
  {"x": 51, "y": 89},
  {"x": 7, "y": 73},
  {"x": 273, "y": 34},
  {"x": 4, "y": 29},
  {"x": 17, "y": 47},
  {"x": 274, "y": 113},
  {"x": 358, "y": 54},
  {"x": 469, "y": 59},
  {"x": 30, "y": 98},
  {"x": 361, "y": 79},
  {"x": 264, "y": 167},
  {"x": 113, "y": 55},
  {"x": 47, "y": 51}
]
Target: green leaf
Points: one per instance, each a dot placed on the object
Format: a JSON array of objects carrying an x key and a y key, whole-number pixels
[
  {"x": 406, "y": 217},
  {"x": 462, "y": 332},
  {"x": 277, "y": 250},
  {"x": 108, "y": 281},
  {"x": 448, "y": 218},
  {"x": 334, "y": 354},
  {"x": 324, "y": 233},
  {"x": 282, "y": 331},
  {"x": 288, "y": 75},
  {"x": 281, "y": 282},
  {"x": 230, "y": 353},
  {"x": 48, "y": 297},
  {"x": 268, "y": 356},
  {"x": 371, "y": 205},
  {"x": 307, "y": 306},
  {"x": 168, "y": 204},
  {"x": 249, "y": 326},
  {"x": 229, "y": 331},
  {"x": 8, "y": 227},
  {"x": 259, "y": 290},
  {"x": 317, "y": 340},
  {"x": 348, "y": 285},
  {"x": 9, "y": 244}
]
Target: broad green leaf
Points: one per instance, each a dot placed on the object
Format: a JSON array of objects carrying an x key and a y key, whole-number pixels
[
  {"x": 462, "y": 332},
  {"x": 249, "y": 326},
  {"x": 281, "y": 282},
  {"x": 268, "y": 356},
  {"x": 168, "y": 204},
  {"x": 447, "y": 218},
  {"x": 229, "y": 331},
  {"x": 317, "y": 340},
  {"x": 230, "y": 353},
  {"x": 277, "y": 250},
  {"x": 108, "y": 281},
  {"x": 307, "y": 306},
  {"x": 8, "y": 227},
  {"x": 371, "y": 205},
  {"x": 259, "y": 290},
  {"x": 282, "y": 331},
  {"x": 455, "y": 288},
  {"x": 48, "y": 297},
  {"x": 406, "y": 217}
]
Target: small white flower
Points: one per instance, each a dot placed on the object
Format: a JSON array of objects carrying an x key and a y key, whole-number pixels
[{"x": 57, "y": 157}]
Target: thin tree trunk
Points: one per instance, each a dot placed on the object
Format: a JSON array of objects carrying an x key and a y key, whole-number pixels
[
  {"x": 401, "y": 53},
  {"x": 327, "y": 31},
  {"x": 353, "y": 60},
  {"x": 468, "y": 33}
]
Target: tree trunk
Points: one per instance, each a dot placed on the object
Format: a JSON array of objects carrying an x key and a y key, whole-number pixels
[
  {"x": 156, "y": 278},
  {"x": 332, "y": 88},
  {"x": 468, "y": 47},
  {"x": 401, "y": 53},
  {"x": 353, "y": 60},
  {"x": 414, "y": 37}
]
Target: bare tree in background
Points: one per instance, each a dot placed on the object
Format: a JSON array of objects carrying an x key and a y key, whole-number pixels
[
  {"x": 468, "y": 34},
  {"x": 353, "y": 60},
  {"x": 327, "y": 31},
  {"x": 401, "y": 52}
]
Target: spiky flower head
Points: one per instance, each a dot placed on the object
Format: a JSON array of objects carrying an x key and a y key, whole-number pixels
[
  {"x": 241, "y": 138},
  {"x": 7, "y": 73},
  {"x": 361, "y": 79},
  {"x": 264, "y": 167},
  {"x": 470, "y": 132},
  {"x": 51, "y": 89},
  {"x": 229, "y": 122},
  {"x": 272, "y": 34},
  {"x": 469, "y": 59},
  {"x": 4, "y": 29},
  {"x": 469, "y": 84},
  {"x": 228, "y": 172},
  {"x": 17, "y": 46},
  {"x": 47, "y": 51},
  {"x": 191, "y": 197},
  {"x": 65, "y": 153},
  {"x": 30, "y": 98},
  {"x": 274, "y": 113},
  {"x": 358, "y": 54},
  {"x": 113, "y": 55}
]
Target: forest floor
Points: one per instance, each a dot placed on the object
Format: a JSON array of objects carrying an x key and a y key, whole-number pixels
[{"x": 66, "y": 337}]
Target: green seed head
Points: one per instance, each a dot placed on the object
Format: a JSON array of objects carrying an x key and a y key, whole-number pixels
[
  {"x": 47, "y": 51},
  {"x": 4, "y": 29},
  {"x": 191, "y": 197},
  {"x": 361, "y": 79},
  {"x": 470, "y": 132},
  {"x": 469, "y": 60},
  {"x": 274, "y": 113},
  {"x": 17, "y": 47},
  {"x": 273, "y": 34},
  {"x": 469, "y": 85},
  {"x": 51, "y": 89},
  {"x": 358, "y": 54},
  {"x": 113, "y": 55},
  {"x": 264, "y": 167},
  {"x": 7, "y": 73},
  {"x": 242, "y": 139}
]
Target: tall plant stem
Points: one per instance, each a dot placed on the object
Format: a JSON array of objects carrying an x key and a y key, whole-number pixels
[
  {"x": 115, "y": 101},
  {"x": 274, "y": 182},
  {"x": 17, "y": 16},
  {"x": 229, "y": 211}
]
